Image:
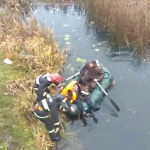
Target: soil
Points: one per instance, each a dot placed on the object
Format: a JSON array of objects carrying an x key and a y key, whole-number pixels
[{"x": 6, "y": 138}]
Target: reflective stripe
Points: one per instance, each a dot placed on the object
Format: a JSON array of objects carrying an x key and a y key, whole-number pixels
[
  {"x": 40, "y": 116},
  {"x": 37, "y": 80},
  {"x": 56, "y": 130},
  {"x": 50, "y": 99},
  {"x": 47, "y": 76},
  {"x": 64, "y": 100},
  {"x": 51, "y": 131},
  {"x": 44, "y": 94},
  {"x": 45, "y": 105},
  {"x": 36, "y": 89},
  {"x": 56, "y": 123}
]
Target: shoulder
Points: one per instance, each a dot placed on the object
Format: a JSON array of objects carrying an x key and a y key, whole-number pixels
[{"x": 87, "y": 65}]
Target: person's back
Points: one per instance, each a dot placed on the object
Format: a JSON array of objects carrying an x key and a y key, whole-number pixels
[
  {"x": 95, "y": 72},
  {"x": 42, "y": 82}
]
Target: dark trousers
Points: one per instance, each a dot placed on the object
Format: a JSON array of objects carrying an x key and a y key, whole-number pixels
[
  {"x": 53, "y": 111},
  {"x": 47, "y": 121},
  {"x": 58, "y": 99},
  {"x": 42, "y": 115},
  {"x": 87, "y": 99},
  {"x": 79, "y": 104}
]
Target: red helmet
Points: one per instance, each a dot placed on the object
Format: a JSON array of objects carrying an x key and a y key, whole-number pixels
[{"x": 55, "y": 77}]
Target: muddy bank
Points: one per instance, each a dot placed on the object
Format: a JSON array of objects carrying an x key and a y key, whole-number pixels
[{"x": 9, "y": 144}]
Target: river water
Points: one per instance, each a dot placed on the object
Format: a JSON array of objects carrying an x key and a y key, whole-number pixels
[{"x": 129, "y": 131}]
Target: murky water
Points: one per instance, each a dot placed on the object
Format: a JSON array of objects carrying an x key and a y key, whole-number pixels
[{"x": 131, "y": 130}]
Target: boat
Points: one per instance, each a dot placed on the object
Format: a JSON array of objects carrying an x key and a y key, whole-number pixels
[{"x": 96, "y": 95}]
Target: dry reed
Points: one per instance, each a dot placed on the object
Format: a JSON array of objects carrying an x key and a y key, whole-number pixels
[
  {"x": 30, "y": 46},
  {"x": 127, "y": 21},
  {"x": 32, "y": 49}
]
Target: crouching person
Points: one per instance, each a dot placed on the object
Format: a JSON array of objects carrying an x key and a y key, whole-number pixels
[
  {"x": 71, "y": 93},
  {"x": 41, "y": 112},
  {"x": 42, "y": 82}
]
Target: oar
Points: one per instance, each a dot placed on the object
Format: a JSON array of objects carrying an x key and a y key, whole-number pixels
[
  {"x": 71, "y": 77},
  {"x": 68, "y": 79},
  {"x": 114, "y": 104}
]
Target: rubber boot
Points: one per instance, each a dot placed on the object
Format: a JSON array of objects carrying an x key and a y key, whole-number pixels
[
  {"x": 93, "y": 116},
  {"x": 54, "y": 137},
  {"x": 84, "y": 120}
]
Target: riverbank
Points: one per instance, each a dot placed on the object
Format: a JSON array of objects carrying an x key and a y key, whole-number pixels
[
  {"x": 14, "y": 132},
  {"x": 32, "y": 50}
]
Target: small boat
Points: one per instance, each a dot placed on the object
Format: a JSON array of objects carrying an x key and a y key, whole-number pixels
[{"x": 97, "y": 94}]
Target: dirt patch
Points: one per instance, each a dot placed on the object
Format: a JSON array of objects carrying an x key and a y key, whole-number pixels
[{"x": 6, "y": 138}]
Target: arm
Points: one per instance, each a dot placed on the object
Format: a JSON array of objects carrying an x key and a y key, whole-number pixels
[
  {"x": 69, "y": 98},
  {"x": 40, "y": 92},
  {"x": 84, "y": 67}
]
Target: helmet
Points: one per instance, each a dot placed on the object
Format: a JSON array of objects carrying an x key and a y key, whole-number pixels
[{"x": 55, "y": 77}]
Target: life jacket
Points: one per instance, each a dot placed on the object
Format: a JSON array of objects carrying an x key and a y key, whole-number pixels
[{"x": 70, "y": 87}]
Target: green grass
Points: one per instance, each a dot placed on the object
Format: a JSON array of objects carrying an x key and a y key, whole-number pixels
[{"x": 10, "y": 121}]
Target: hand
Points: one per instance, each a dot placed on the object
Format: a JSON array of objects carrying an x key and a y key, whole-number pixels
[
  {"x": 64, "y": 110},
  {"x": 77, "y": 73},
  {"x": 48, "y": 95},
  {"x": 72, "y": 109},
  {"x": 85, "y": 93},
  {"x": 95, "y": 80},
  {"x": 60, "y": 88},
  {"x": 36, "y": 107}
]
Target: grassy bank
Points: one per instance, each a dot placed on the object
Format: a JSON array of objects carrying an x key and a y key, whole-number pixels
[
  {"x": 127, "y": 21},
  {"x": 33, "y": 51},
  {"x": 12, "y": 123}
]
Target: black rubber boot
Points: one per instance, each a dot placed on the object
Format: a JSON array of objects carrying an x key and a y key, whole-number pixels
[
  {"x": 93, "y": 117},
  {"x": 84, "y": 120},
  {"x": 56, "y": 138}
]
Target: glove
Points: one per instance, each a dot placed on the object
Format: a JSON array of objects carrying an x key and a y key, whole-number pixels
[
  {"x": 64, "y": 110},
  {"x": 72, "y": 109},
  {"x": 61, "y": 108},
  {"x": 78, "y": 73},
  {"x": 95, "y": 80},
  {"x": 85, "y": 93},
  {"x": 48, "y": 95}
]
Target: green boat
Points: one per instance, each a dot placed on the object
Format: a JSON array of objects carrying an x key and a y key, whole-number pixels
[{"x": 97, "y": 94}]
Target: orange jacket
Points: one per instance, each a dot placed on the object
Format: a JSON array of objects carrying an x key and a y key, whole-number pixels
[{"x": 70, "y": 87}]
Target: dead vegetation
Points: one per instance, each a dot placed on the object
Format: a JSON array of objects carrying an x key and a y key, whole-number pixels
[{"x": 127, "y": 22}]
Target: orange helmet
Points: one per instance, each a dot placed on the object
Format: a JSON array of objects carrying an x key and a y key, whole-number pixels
[{"x": 55, "y": 77}]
